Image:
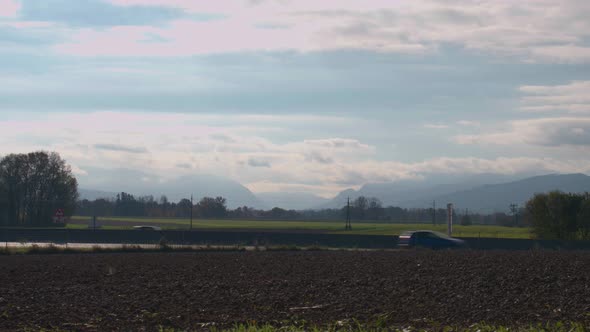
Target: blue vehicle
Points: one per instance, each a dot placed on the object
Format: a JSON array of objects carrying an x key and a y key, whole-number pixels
[{"x": 428, "y": 239}]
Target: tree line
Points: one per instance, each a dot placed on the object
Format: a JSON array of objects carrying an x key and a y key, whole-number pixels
[
  {"x": 361, "y": 209},
  {"x": 35, "y": 185},
  {"x": 127, "y": 205}
]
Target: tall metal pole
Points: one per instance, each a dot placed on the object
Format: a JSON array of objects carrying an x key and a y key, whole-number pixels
[
  {"x": 348, "y": 225},
  {"x": 191, "y": 212}
]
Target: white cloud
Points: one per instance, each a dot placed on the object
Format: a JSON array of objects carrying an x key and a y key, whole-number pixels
[
  {"x": 562, "y": 54},
  {"x": 77, "y": 170},
  {"x": 546, "y": 132},
  {"x": 435, "y": 126},
  {"x": 469, "y": 123},
  {"x": 171, "y": 145},
  {"x": 573, "y": 97},
  {"x": 9, "y": 8},
  {"x": 338, "y": 143},
  {"x": 569, "y": 129},
  {"x": 537, "y": 31}
]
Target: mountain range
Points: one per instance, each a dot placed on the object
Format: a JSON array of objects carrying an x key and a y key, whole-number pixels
[
  {"x": 473, "y": 193},
  {"x": 291, "y": 201},
  {"x": 482, "y": 193},
  {"x": 107, "y": 183}
]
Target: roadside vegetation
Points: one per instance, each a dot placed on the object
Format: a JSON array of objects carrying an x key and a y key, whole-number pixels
[
  {"x": 334, "y": 227},
  {"x": 125, "y": 248},
  {"x": 51, "y": 248}
]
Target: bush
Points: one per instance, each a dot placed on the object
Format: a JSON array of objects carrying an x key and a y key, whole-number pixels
[{"x": 466, "y": 220}]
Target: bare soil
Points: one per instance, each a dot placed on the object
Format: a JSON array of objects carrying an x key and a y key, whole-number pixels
[{"x": 97, "y": 292}]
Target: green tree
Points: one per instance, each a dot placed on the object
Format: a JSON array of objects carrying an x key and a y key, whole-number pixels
[
  {"x": 557, "y": 215},
  {"x": 3, "y": 203},
  {"x": 35, "y": 185},
  {"x": 583, "y": 218},
  {"x": 184, "y": 208},
  {"x": 209, "y": 207}
]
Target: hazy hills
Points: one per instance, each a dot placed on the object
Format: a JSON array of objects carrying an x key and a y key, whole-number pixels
[
  {"x": 104, "y": 182},
  {"x": 291, "y": 201},
  {"x": 469, "y": 194},
  {"x": 498, "y": 197},
  {"x": 416, "y": 193},
  {"x": 481, "y": 193}
]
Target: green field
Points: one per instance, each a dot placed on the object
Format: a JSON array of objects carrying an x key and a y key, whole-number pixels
[{"x": 334, "y": 227}]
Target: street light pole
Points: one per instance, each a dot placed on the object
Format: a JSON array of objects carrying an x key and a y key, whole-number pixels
[{"x": 191, "y": 212}]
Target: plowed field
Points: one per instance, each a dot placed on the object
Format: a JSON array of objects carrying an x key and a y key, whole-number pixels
[{"x": 196, "y": 290}]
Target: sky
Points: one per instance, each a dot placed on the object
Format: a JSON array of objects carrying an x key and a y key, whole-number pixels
[{"x": 299, "y": 95}]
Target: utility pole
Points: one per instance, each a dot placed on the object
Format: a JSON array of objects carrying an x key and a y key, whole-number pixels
[
  {"x": 191, "y": 227},
  {"x": 434, "y": 212},
  {"x": 450, "y": 219},
  {"x": 514, "y": 210},
  {"x": 348, "y": 225}
]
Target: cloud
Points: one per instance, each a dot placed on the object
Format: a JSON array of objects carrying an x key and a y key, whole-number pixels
[
  {"x": 254, "y": 162},
  {"x": 9, "y": 8},
  {"x": 222, "y": 138},
  {"x": 316, "y": 156},
  {"x": 436, "y": 126},
  {"x": 77, "y": 170},
  {"x": 469, "y": 123},
  {"x": 562, "y": 54},
  {"x": 571, "y": 98},
  {"x": 546, "y": 132},
  {"x": 184, "y": 165},
  {"x": 569, "y": 128},
  {"x": 120, "y": 148},
  {"x": 96, "y": 13},
  {"x": 338, "y": 143},
  {"x": 499, "y": 165},
  {"x": 324, "y": 166},
  {"x": 532, "y": 31}
]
